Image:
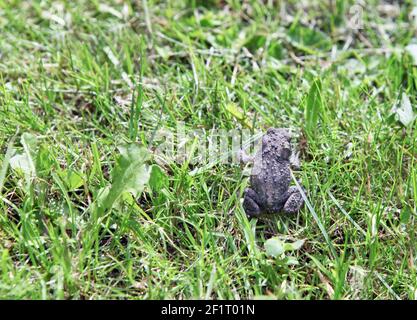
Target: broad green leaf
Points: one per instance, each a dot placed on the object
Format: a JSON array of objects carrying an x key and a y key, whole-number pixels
[
  {"x": 237, "y": 113},
  {"x": 44, "y": 161},
  {"x": 25, "y": 162},
  {"x": 405, "y": 214},
  {"x": 20, "y": 162},
  {"x": 158, "y": 178},
  {"x": 29, "y": 143},
  {"x": 292, "y": 261},
  {"x": 294, "y": 245},
  {"x": 274, "y": 247},
  {"x": 6, "y": 162},
  {"x": 313, "y": 107},
  {"x": 411, "y": 49},
  {"x": 128, "y": 198},
  {"x": 102, "y": 195},
  {"x": 130, "y": 174},
  {"x": 404, "y": 111},
  {"x": 73, "y": 180}
]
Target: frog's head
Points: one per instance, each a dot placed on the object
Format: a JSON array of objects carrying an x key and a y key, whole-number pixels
[{"x": 278, "y": 141}]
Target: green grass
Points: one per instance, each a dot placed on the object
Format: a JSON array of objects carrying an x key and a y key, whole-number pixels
[{"x": 87, "y": 77}]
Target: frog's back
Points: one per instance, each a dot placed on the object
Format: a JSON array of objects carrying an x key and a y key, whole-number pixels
[{"x": 271, "y": 183}]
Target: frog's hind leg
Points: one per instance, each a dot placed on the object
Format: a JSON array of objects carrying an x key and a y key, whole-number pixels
[
  {"x": 294, "y": 201},
  {"x": 251, "y": 203}
]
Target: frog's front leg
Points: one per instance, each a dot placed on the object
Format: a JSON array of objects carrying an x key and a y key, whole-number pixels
[
  {"x": 294, "y": 201},
  {"x": 251, "y": 203}
]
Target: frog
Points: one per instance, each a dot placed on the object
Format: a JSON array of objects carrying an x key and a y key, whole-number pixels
[{"x": 270, "y": 191}]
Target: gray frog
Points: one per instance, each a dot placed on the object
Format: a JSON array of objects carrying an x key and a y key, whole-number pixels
[{"x": 270, "y": 190}]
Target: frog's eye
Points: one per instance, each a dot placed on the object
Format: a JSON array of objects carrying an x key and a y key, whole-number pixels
[
  {"x": 285, "y": 153},
  {"x": 286, "y": 134},
  {"x": 265, "y": 140},
  {"x": 271, "y": 131}
]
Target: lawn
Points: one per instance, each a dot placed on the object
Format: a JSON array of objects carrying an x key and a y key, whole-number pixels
[{"x": 89, "y": 209}]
